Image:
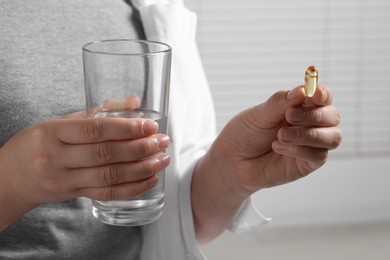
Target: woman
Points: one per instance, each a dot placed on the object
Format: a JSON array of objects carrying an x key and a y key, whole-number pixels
[{"x": 50, "y": 167}]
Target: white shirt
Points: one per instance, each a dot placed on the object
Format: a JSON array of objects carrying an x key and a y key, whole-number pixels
[{"x": 192, "y": 130}]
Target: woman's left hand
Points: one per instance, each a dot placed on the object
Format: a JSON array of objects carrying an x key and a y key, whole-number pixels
[{"x": 281, "y": 140}]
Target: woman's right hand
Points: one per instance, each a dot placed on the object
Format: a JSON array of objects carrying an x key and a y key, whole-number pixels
[{"x": 57, "y": 160}]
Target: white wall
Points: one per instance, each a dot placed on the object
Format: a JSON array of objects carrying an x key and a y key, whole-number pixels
[
  {"x": 252, "y": 48},
  {"x": 343, "y": 191}
]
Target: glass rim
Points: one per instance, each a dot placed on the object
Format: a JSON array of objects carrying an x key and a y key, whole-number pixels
[{"x": 167, "y": 49}]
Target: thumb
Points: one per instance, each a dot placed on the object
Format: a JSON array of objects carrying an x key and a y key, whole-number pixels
[{"x": 270, "y": 113}]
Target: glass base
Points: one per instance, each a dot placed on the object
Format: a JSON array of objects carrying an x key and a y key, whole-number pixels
[{"x": 128, "y": 213}]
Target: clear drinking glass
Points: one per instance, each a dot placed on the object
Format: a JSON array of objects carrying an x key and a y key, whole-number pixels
[{"x": 129, "y": 79}]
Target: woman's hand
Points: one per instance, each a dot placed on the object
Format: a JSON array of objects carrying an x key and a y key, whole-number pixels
[
  {"x": 57, "y": 160},
  {"x": 281, "y": 140}
]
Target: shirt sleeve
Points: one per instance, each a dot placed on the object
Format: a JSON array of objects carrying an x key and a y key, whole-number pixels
[{"x": 191, "y": 100}]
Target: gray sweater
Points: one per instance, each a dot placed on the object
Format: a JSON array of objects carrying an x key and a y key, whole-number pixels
[{"x": 41, "y": 78}]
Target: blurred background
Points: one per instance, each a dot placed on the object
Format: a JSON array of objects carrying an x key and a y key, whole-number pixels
[{"x": 252, "y": 48}]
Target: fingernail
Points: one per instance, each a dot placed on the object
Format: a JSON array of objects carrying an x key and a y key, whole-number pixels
[
  {"x": 163, "y": 141},
  {"x": 289, "y": 134},
  {"x": 152, "y": 181},
  {"x": 149, "y": 127},
  {"x": 164, "y": 159}
]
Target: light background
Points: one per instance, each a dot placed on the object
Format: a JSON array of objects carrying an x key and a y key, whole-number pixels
[{"x": 252, "y": 48}]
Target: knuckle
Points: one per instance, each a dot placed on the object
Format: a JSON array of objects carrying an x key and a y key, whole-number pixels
[
  {"x": 277, "y": 97},
  {"x": 41, "y": 157},
  {"x": 318, "y": 115},
  {"x": 153, "y": 167},
  {"x": 41, "y": 160},
  {"x": 39, "y": 133},
  {"x": 55, "y": 183},
  {"x": 134, "y": 128},
  {"x": 52, "y": 185},
  {"x": 110, "y": 175},
  {"x": 94, "y": 129},
  {"x": 108, "y": 193},
  {"x": 104, "y": 152},
  {"x": 313, "y": 135},
  {"x": 150, "y": 145}
]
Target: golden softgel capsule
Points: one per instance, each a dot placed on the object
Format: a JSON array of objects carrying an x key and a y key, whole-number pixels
[{"x": 311, "y": 80}]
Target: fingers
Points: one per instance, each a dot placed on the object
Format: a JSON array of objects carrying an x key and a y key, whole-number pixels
[
  {"x": 129, "y": 103},
  {"x": 306, "y": 153},
  {"x": 109, "y": 182},
  {"x": 322, "y": 97},
  {"x": 120, "y": 191},
  {"x": 313, "y": 116},
  {"x": 120, "y": 181},
  {"x": 324, "y": 137},
  {"x": 82, "y": 131},
  {"x": 313, "y": 130},
  {"x": 97, "y": 154},
  {"x": 272, "y": 112},
  {"x": 113, "y": 174}
]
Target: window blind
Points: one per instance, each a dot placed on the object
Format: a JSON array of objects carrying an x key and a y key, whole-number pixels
[{"x": 252, "y": 48}]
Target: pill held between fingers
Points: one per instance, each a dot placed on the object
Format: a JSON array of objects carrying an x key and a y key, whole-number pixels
[{"x": 311, "y": 81}]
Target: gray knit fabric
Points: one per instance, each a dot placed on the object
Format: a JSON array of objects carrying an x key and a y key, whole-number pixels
[{"x": 41, "y": 77}]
